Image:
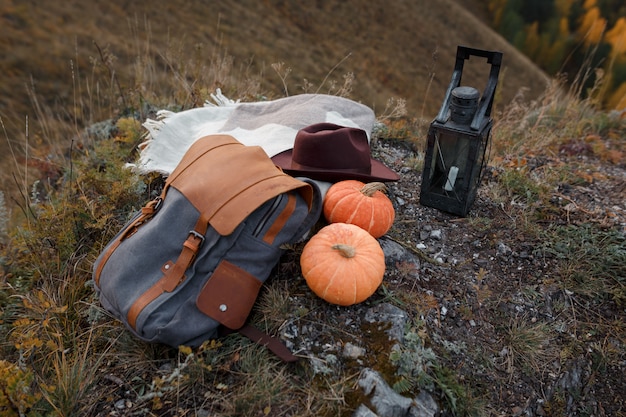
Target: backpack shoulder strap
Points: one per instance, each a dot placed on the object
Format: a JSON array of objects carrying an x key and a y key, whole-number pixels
[{"x": 146, "y": 213}]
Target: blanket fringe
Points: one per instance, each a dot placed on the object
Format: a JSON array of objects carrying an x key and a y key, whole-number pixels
[
  {"x": 164, "y": 114},
  {"x": 220, "y": 100},
  {"x": 153, "y": 127}
]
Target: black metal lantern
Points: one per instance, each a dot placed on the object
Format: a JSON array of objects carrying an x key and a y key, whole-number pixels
[{"x": 458, "y": 138}]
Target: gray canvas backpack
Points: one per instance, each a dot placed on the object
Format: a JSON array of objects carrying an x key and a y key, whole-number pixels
[{"x": 191, "y": 262}]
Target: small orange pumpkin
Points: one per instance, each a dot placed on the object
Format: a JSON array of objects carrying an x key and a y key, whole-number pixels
[
  {"x": 365, "y": 205},
  {"x": 343, "y": 264}
]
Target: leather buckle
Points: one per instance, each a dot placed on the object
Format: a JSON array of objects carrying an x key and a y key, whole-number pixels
[{"x": 197, "y": 235}]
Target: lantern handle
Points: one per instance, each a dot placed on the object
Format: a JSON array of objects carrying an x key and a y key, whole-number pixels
[{"x": 484, "y": 108}]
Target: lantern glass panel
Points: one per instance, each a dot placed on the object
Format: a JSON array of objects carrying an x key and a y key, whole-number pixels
[
  {"x": 449, "y": 163},
  {"x": 482, "y": 142}
]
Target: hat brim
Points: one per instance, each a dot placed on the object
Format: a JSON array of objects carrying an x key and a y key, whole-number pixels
[{"x": 378, "y": 172}]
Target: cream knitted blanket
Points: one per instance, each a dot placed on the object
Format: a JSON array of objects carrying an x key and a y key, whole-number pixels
[{"x": 270, "y": 124}]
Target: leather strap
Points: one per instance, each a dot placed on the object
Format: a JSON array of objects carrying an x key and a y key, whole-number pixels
[
  {"x": 173, "y": 273},
  {"x": 146, "y": 213},
  {"x": 272, "y": 343},
  {"x": 165, "y": 284},
  {"x": 281, "y": 220}
]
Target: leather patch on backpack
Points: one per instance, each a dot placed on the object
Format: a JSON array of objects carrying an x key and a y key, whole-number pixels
[{"x": 229, "y": 295}]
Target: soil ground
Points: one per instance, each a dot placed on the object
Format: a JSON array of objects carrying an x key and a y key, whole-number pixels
[{"x": 485, "y": 294}]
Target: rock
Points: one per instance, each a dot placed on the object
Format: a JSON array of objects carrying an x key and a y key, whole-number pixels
[
  {"x": 424, "y": 405},
  {"x": 352, "y": 351},
  {"x": 436, "y": 234},
  {"x": 392, "y": 250},
  {"x": 325, "y": 365},
  {"x": 385, "y": 400},
  {"x": 388, "y": 403},
  {"x": 517, "y": 411},
  {"x": 540, "y": 411},
  {"x": 483, "y": 263},
  {"x": 203, "y": 412},
  {"x": 388, "y": 313},
  {"x": 363, "y": 411},
  {"x": 123, "y": 404},
  {"x": 504, "y": 249}
]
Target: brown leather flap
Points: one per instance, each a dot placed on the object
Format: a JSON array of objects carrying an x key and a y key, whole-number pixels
[
  {"x": 247, "y": 179},
  {"x": 228, "y": 296}
]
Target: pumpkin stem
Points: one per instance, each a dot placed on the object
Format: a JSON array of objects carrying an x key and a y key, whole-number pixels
[
  {"x": 370, "y": 188},
  {"x": 346, "y": 251}
]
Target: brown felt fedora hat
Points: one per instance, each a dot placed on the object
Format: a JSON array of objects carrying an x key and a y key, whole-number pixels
[{"x": 329, "y": 152}]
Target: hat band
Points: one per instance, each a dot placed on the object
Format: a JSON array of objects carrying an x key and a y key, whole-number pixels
[{"x": 301, "y": 167}]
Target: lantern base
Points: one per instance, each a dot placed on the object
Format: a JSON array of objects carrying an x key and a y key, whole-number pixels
[{"x": 445, "y": 203}]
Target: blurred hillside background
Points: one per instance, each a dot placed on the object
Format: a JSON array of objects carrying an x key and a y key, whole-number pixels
[
  {"x": 66, "y": 65},
  {"x": 565, "y": 36}
]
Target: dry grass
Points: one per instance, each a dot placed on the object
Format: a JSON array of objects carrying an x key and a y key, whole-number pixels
[
  {"x": 557, "y": 118},
  {"x": 527, "y": 346},
  {"x": 67, "y": 66}
]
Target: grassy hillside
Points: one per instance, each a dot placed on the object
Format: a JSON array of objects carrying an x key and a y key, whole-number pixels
[{"x": 65, "y": 64}]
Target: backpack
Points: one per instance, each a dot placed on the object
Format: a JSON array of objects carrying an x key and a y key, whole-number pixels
[{"x": 188, "y": 267}]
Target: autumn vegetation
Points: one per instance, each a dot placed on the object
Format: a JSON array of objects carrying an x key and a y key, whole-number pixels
[{"x": 563, "y": 36}]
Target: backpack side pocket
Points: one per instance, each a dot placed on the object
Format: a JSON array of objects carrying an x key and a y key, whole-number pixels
[{"x": 229, "y": 295}]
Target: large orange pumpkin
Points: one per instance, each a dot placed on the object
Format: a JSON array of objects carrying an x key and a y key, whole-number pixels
[
  {"x": 365, "y": 205},
  {"x": 343, "y": 264}
]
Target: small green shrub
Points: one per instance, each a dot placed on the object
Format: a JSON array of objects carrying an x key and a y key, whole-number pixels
[
  {"x": 419, "y": 368},
  {"x": 592, "y": 260},
  {"x": 17, "y": 397},
  {"x": 520, "y": 185}
]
